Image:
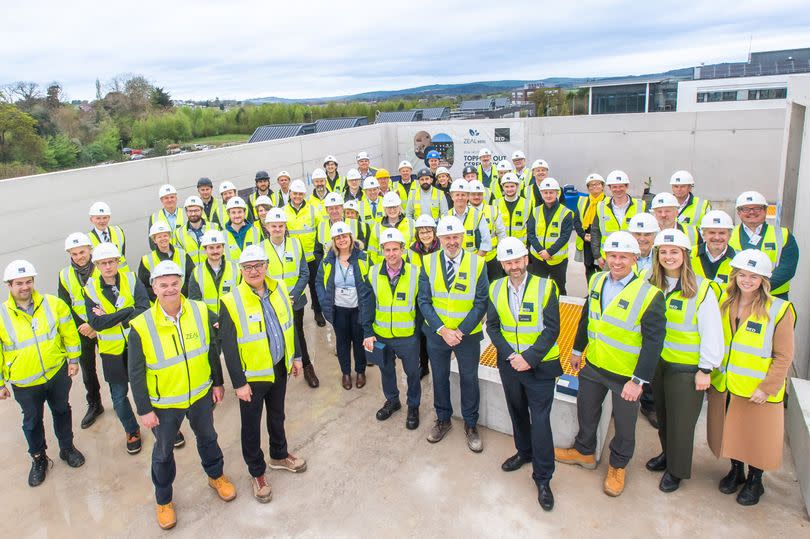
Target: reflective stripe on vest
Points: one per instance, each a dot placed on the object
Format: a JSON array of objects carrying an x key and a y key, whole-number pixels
[
  {"x": 607, "y": 220},
  {"x": 682, "y": 340},
  {"x": 490, "y": 215},
  {"x": 231, "y": 276},
  {"x": 692, "y": 214},
  {"x": 415, "y": 197},
  {"x": 515, "y": 222},
  {"x": 112, "y": 340},
  {"x": 74, "y": 289},
  {"x": 453, "y": 305},
  {"x": 522, "y": 333},
  {"x": 395, "y": 314},
  {"x": 303, "y": 227},
  {"x": 286, "y": 270},
  {"x": 151, "y": 260},
  {"x": 771, "y": 244},
  {"x": 548, "y": 233}
]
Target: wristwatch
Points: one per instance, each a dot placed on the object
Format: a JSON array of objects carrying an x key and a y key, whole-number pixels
[
  {"x": 636, "y": 380},
  {"x": 705, "y": 370}
]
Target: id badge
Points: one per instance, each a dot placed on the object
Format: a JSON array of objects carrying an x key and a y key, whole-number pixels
[
  {"x": 755, "y": 239},
  {"x": 344, "y": 291},
  {"x": 255, "y": 317}
]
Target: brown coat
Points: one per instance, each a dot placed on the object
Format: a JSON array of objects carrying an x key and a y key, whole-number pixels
[{"x": 753, "y": 433}]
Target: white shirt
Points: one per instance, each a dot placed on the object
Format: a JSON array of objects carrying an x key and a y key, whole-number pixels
[
  {"x": 516, "y": 294},
  {"x": 710, "y": 328},
  {"x": 715, "y": 258},
  {"x": 644, "y": 262},
  {"x": 483, "y": 229},
  {"x": 753, "y": 235},
  {"x": 620, "y": 211},
  {"x": 280, "y": 250},
  {"x": 176, "y": 322}
]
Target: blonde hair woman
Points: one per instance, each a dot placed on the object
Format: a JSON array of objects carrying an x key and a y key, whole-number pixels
[{"x": 746, "y": 414}]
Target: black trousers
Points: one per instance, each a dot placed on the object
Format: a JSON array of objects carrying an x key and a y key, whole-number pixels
[
  {"x": 593, "y": 387},
  {"x": 269, "y": 395},
  {"x": 201, "y": 418},
  {"x": 590, "y": 264},
  {"x": 87, "y": 361},
  {"x": 32, "y": 402},
  {"x": 556, "y": 273},
  {"x": 298, "y": 322},
  {"x": 349, "y": 340},
  {"x": 529, "y": 399},
  {"x": 313, "y": 294}
]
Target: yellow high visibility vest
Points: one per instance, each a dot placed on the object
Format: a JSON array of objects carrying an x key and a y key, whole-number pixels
[
  {"x": 252, "y": 203},
  {"x": 471, "y": 221},
  {"x": 69, "y": 280},
  {"x": 368, "y": 216},
  {"x": 211, "y": 293},
  {"x": 302, "y": 225},
  {"x": 373, "y": 249},
  {"x": 395, "y": 314},
  {"x": 232, "y": 249},
  {"x": 607, "y": 220},
  {"x": 489, "y": 214},
  {"x": 286, "y": 267},
  {"x": 151, "y": 260},
  {"x": 159, "y": 215},
  {"x": 523, "y": 332},
  {"x": 112, "y": 340},
  {"x": 548, "y": 233},
  {"x": 723, "y": 271},
  {"x": 184, "y": 239},
  {"x": 116, "y": 237},
  {"x": 692, "y": 215},
  {"x": 337, "y": 185},
  {"x": 452, "y": 305},
  {"x": 682, "y": 340},
  {"x": 772, "y": 244},
  {"x": 415, "y": 198},
  {"x": 516, "y": 221}
]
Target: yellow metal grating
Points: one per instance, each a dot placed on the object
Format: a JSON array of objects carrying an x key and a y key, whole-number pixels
[{"x": 569, "y": 319}]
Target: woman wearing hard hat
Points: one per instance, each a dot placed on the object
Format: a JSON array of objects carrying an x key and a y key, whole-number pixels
[
  {"x": 693, "y": 347},
  {"x": 426, "y": 242},
  {"x": 746, "y": 412}
]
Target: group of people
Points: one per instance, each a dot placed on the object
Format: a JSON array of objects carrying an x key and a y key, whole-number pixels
[{"x": 681, "y": 303}]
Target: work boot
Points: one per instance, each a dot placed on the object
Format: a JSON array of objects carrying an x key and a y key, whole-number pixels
[
  {"x": 657, "y": 464},
  {"x": 734, "y": 478},
  {"x": 39, "y": 469},
  {"x": 388, "y": 409},
  {"x": 545, "y": 497},
  {"x": 72, "y": 456},
  {"x": 572, "y": 456},
  {"x": 225, "y": 489},
  {"x": 166, "y": 517},
  {"x": 261, "y": 489},
  {"x": 310, "y": 376},
  {"x": 179, "y": 440},
  {"x": 412, "y": 421},
  {"x": 319, "y": 319},
  {"x": 614, "y": 481},
  {"x": 291, "y": 464},
  {"x": 134, "y": 442},
  {"x": 94, "y": 409},
  {"x": 346, "y": 382},
  {"x": 473, "y": 439},
  {"x": 753, "y": 489},
  {"x": 439, "y": 430}
]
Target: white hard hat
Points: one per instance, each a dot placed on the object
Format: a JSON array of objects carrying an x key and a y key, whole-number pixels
[
  {"x": 361, "y": 155},
  {"x": 17, "y": 269},
  {"x": 459, "y": 185},
  {"x": 716, "y": 219},
  {"x": 539, "y": 163},
  {"x": 226, "y": 186},
  {"x": 643, "y": 223},
  {"x": 504, "y": 166},
  {"x": 319, "y": 174},
  {"x": 403, "y": 164},
  {"x": 751, "y": 198},
  {"x": 672, "y": 236},
  {"x": 212, "y": 237},
  {"x": 618, "y": 177},
  {"x": 753, "y": 260},
  {"x": 353, "y": 174},
  {"x": 682, "y": 177},
  {"x": 476, "y": 186},
  {"x": 329, "y": 158},
  {"x": 77, "y": 239},
  {"x": 104, "y": 251},
  {"x": 442, "y": 170},
  {"x": 193, "y": 200},
  {"x": 549, "y": 184},
  {"x": 449, "y": 224},
  {"x": 621, "y": 242},
  {"x": 333, "y": 199},
  {"x": 159, "y": 227},
  {"x": 484, "y": 151},
  {"x": 425, "y": 220},
  {"x": 371, "y": 183},
  {"x": 390, "y": 234},
  {"x": 517, "y": 154},
  {"x": 235, "y": 202},
  {"x": 263, "y": 200},
  {"x": 351, "y": 205},
  {"x": 166, "y": 190},
  {"x": 339, "y": 228},
  {"x": 297, "y": 186},
  {"x": 163, "y": 268},
  {"x": 99, "y": 208},
  {"x": 594, "y": 178},
  {"x": 511, "y": 248},
  {"x": 664, "y": 200},
  {"x": 276, "y": 215},
  {"x": 391, "y": 199},
  {"x": 253, "y": 253},
  {"x": 283, "y": 174},
  {"x": 510, "y": 177}
]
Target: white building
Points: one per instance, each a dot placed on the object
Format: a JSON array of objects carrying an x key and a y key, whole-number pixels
[{"x": 736, "y": 93}]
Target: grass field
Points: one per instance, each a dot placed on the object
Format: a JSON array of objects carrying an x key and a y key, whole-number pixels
[{"x": 219, "y": 139}]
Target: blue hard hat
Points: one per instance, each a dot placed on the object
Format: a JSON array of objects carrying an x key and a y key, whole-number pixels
[{"x": 433, "y": 154}]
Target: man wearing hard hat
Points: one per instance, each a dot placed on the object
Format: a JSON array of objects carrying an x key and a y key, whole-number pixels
[
  {"x": 644, "y": 227},
  {"x": 539, "y": 174},
  {"x": 214, "y": 276},
  {"x": 613, "y": 213},
  {"x": 549, "y": 231},
  {"x": 523, "y": 323},
  {"x": 262, "y": 189},
  {"x": 665, "y": 209},
  {"x": 623, "y": 324},
  {"x": 72, "y": 279},
  {"x": 205, "y": 188},
  {"x": 302, "y": 224},
  {"x": 176, "y": 378},
  {"x": 39, "y": 355},
  {"x": 406, "y": 181},
  {"x": 363, "y": 166},
  {"x": 319, "y": 190},
  {"x": 477, "y": 238},
  {"x": 103, "y": 231},
  {"x": 453, "y": 299},
  {"x": 485, "y": 170},
  {"x": 691, "y": 209},
  {"x": 227, "y": 190},
  {"x": 239, "y": 233},
  {"x": 371, "y": 209},
  {"x": 161, "y": 235},
  {"x": 388, "y": 317},
  {"x": 189, "y": 237},
  {"x": 170, "y": 214},
  {"x": 393, "y": 217},
  {"x": 712, "y": 258},
  {"x": 426, "y": 199},
  {"x": 282, "y": 197}
]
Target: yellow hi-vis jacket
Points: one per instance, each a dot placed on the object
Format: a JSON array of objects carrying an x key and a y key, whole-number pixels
[
  {"x": 395, "y": 312},
  {"x": 682, "y": 340},
  {"x": 112, "y": 340},
  {"x": 453, "y": 304},
  {"x": 523, "y": 332}
]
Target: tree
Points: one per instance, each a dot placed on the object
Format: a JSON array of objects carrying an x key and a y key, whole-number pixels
[
  {"x": 160, "y": 98},
  {"x": 18, "y": 137},
  {"x": 550, "y": 102},
  {"x": 61, "y": 152},
  {"x": 98, "y": 90},
  {"x": 53, "y": 96},
  {"x": 25, "y": 91}
]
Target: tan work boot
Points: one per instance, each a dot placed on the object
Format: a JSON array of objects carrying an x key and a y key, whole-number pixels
[
  {"x": 225, "y": 489},
  {"x": 614, "y": 481},
  {"x": 291, "y": 464},
  {"x": 165, "y": 516},
  {"x": 572, "y": 456},
  {"x": 261, "y": 489}
]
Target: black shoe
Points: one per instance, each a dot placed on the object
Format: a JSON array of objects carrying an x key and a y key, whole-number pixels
[
  {"x": 657, "y": 464},
  {"x": 320, "y": 320},
  {"x": 179, "y": 440},
  {"x": 94, "y": 409},
  {"x": 752, "y": 490},
  {"x": 651, "y": 416},
  {"x": 39, "y": 469},
  {"x": 424, "y": 371},
  {"x": 733, "y": 479},
  {"x": 545, "y": 497},
  {"x": 310, "y": 376},
  {"x": 388, "y": 409},
  {"x": 514, "y": 463},
  {"x": 72, "y": 456},
  {"x": 412, "y": 422},
  {"x": 134, "y": 442},
  {"x": 669, "y": 483}
]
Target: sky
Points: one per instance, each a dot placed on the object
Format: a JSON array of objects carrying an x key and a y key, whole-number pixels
[{"x": 242, "y": 49}]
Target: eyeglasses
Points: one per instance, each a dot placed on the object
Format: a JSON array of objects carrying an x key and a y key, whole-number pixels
[
  {"x": 106, "y": 263},
  {"x": 751, "y": 209},
  {"x": 252, "y": 268}
]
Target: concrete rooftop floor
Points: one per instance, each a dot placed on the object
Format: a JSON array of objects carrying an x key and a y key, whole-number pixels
[{"x": 367, "y": 478}]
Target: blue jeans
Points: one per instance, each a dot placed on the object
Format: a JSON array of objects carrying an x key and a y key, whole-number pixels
[
  {"x": 123, "y": 408},
  {"x": 468, "y": 355},
  {"x": 407, "y": 350}
]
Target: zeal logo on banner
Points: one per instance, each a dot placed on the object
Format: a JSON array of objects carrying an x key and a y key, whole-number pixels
[{"x": 459, "y": 143}]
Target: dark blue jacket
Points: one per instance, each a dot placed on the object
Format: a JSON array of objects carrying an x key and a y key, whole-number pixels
[{"x": 326, "y": 294}]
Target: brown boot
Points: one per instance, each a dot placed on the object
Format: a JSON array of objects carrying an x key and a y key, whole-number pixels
[
  {"x": 291, "y": 464},
  {"x": 165, "y": 516},
  {"x": 310, "y": 376},
  {"x": 572, "y": 456},
  {"x": 225, "y": 489},
  {"x": 614, "y": 481},
  {"x": 261, "y": 489},
  {"x": 347, "y": 381},
  {"x": 361, "y": 380}
]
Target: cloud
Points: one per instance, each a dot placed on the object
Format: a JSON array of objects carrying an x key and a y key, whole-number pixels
[{"x": 313, "y": 48}]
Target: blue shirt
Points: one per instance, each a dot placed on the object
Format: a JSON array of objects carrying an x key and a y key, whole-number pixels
[
  {"x": 238, "y": 236},
  {"x": 612, "y": 288},
  {"x": 171, "y": 217},
  {"x": 275, "y": 336},
  {"x": 344, "y": 277}
]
